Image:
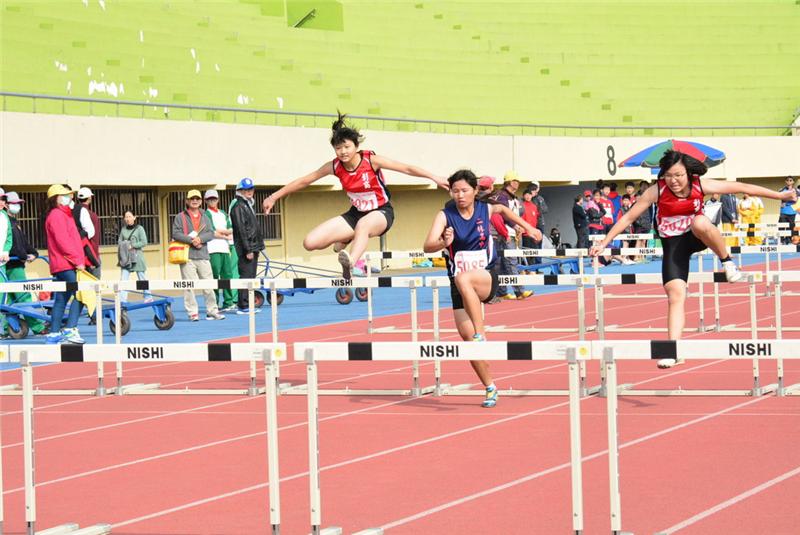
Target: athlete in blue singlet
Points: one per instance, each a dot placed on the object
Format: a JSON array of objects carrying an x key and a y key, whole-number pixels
[{"x": 462, "y": 229}]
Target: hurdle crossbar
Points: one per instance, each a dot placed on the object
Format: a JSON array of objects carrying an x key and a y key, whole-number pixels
[
  {"x": 778, "y": 280},
  {"x": 26, "y": 354}
]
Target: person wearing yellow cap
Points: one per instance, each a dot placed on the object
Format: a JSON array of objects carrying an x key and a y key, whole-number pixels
[
  {"x": 67, "y": 257},
  {"x": 193, "y": 227}
]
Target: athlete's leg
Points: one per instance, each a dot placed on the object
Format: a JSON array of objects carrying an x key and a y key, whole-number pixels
[
  {"x": 328, "y": 232},
  {"x": 706, "y": 232},
  {"x": 466, "y": 329},
  {"x": 371, "y": 225},
  {"x": 676, "y": 314},
  {"x": 474, "y": 287}
]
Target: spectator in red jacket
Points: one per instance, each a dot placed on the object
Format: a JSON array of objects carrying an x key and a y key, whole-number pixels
[
  {"x": 66, "y": 257},
  {"x": 530, "y": 213}
]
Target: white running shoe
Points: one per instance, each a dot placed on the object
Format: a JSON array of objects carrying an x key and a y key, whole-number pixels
[
  {"x": 669, "y": 363},
  {"x": 347, "y": 264},
  {"x": 732, "y": 272}
]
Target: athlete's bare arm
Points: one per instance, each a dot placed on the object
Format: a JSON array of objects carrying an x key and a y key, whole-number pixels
[
  {"x": 296, "y": 185},
  {"x": 381, "y": 162},
  {"x": 723, "y": 186},
  {"x": 643, "y": 202},
  {"x": 440, "y": 235}
]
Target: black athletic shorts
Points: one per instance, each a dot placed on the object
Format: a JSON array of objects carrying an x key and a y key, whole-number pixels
[
  {"x": 458, "y": 302},
  {"x": 352, "y": 216},
  {"x": 678, "y": 250}
]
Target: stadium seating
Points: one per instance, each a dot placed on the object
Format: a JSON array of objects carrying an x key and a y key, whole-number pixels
[{"x": 545, "y": 62}]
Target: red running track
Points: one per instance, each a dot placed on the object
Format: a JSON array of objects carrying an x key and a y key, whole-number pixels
[{"x": 197, "y": 465}]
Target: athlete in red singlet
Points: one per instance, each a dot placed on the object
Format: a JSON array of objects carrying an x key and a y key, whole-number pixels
[
  {"x": 683, "y": 228},
  {"x": 370, "y": 214}
]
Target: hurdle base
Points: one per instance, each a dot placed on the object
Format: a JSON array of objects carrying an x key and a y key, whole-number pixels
[
  {"x": 626, "y": 390},
  {"x": 129, "y": 389},
  {"x": 7, "y": 388},
  {"x": 791, "y": 390},
  {"x": 466, "y": 390},
  {"x": 370, "y": 531},
  {"x": 61, "y": 392},
  {"x": 188, "y": 392},
  {"x": 334, "y": 530},
  {"x": 74, "y": 529},
  {"x": 301, "y": 390}
]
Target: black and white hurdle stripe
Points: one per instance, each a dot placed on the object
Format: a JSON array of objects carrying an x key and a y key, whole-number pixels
[
  {"x": 394, "y": 351},
  {"x": 144, "y": 352}
]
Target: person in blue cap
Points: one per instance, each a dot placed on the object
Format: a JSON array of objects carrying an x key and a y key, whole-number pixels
[
  {"x": 248, "y": 240},
  {"x": 360, "y": 174}
]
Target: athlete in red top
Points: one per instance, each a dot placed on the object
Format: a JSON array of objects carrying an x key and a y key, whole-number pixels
[
  {"x": 683, "y": 228},
  {"x": 359, "y": 172}
]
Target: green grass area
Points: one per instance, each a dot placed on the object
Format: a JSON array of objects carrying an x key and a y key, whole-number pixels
[{"x": 629, "y": 62}]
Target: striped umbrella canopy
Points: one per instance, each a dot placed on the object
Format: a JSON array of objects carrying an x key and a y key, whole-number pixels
[{"x": 650, "y": 156}]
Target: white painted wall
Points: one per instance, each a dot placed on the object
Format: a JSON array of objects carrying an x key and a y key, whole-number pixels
[{"x": 43, "y": 149}]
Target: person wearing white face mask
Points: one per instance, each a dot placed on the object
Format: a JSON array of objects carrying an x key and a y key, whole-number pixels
[
  {"x": 22, "y": 252},
  {"x": 66, "y": 257}
]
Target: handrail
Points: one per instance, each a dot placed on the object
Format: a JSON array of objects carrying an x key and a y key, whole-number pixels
[{"x": 784, "y": 129}]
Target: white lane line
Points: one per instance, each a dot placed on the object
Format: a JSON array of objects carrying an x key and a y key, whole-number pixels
[
  {"x": 530, "y": 477},
  {"x": 349, "y": 461},
  {"x": 150, "y": 418},
  {"x": 728, "y": 503}
]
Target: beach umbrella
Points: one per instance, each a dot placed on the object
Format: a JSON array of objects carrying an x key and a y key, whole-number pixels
[{"x": 650, "y": 156}]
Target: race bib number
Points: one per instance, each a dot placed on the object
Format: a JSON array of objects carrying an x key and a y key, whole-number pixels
[
  {"x": 469, "y": 260},
  {"x": 675, "y": 225},
  {"x": 364, "y": 201}
]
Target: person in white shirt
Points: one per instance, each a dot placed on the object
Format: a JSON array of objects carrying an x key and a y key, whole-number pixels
[{"x": 222, "y": 254}]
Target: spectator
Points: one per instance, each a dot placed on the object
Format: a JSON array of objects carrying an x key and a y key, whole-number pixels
[
  {"x": 730, "y": 217},
  {"x": 630, "y": 191},
  {"x": 530, "y": 213},
  {"x": 221, "y": 251},
  {"x": 133, "y": 237},
  {"x": 581, "y": 222},
  {"x": 67, "y": 256},
  {"x": 643, "y": 223},
  {"x": 788, "y": 212},
  {"x": 505, "y": 235},
  {"x": 198, "y": 266},
  {"x": 750, "y": 210},
  {"x": 23, "y": 252},
  {"x": 607, "y": 221},
  {"x": 713, "y": 209},
  {"x": 540, "y": 203},
  {"x": 5, "y": 232},
  {"x": 610, "y": 193},
  {"x": 91, "y": 227},
  {"x": 625, "y": 207},
  {"x": 247, "y": 236}
]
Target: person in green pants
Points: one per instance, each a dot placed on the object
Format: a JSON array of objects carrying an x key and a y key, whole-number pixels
[
  {"x": 220, "y": 249},
  {"x": 23, "y": 252}
]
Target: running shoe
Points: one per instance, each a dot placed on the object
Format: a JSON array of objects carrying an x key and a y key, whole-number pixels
[
  {"x": 669, "y": 363},
  {"x": 54, "y": 338},
  {"x": 478, "y": 337},
  {"x": 491, "y": 398},
  {"x": 214, "y": 316},
  {"x": 508, "y": 297},
  {"x": 243, "y": 311},
  {"x": 526, "y": 294},
  {"x": 72, "y": 336},
  {"x": 194, "y": 317},
  {"x": 732, "y": 272},
  {"x": 347, "y": 264}
]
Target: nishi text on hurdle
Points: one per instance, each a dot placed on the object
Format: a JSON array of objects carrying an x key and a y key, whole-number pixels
[
  {"x": 136, "y": 353},
  {"x": 750, "y": 349},
  {"x": 438, "y": 351}
]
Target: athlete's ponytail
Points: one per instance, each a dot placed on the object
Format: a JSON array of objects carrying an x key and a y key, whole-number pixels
[{"x": 342, "y": 132}]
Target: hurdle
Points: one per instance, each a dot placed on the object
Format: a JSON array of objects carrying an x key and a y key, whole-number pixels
[
  {"x": 778, "y": 280},
  {"x": 25, "y": 355},
  {"x": 410, "y": 282},
  {"x": 435, "y": 283},
  {"x": 570, "y": 352}
]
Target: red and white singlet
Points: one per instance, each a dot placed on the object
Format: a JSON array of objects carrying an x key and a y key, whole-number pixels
[
  {"x": 674, "y": 215},
  {"x": 364, "y": 186}
]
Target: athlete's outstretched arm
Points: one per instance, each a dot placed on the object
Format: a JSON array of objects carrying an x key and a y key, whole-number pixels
[
  {"x": 381, "y": 162},
  {"x": 723, "y": 186},
  {"x": 440, "y": 235},
  {"x": 296, "y": 185},
  {"x": 509, "y": 214},
  {"x": 642, "y": 203}
]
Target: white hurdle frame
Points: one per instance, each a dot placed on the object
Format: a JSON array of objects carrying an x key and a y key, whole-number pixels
[
  {"x": 25, "y": 355},
  {"x": 538, "y": 280},
  {"x": 778, "y": 280},
  {"x": 571, "y": 352},
  {"x": 410, "y": 282}
]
